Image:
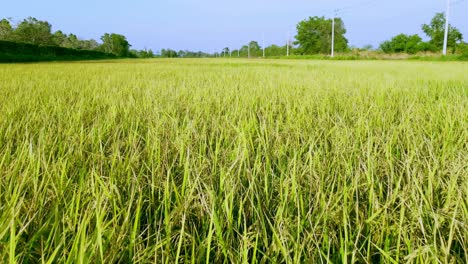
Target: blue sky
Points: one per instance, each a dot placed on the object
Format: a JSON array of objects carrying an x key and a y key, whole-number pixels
[{"x": 210, "y": 25}]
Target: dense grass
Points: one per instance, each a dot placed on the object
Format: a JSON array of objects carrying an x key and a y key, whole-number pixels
[{"x": 230, "y": 161}]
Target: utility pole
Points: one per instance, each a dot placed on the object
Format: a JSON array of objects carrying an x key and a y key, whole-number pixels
[
  {"x": 447, "y": 13},
  {"x": 287, "y": 46},
  {"x": 248, "y": 51},
  {"x": 333, "y": 35},
  {"x": 263, "y": 45},
  {"x": 238, "y": 52}
]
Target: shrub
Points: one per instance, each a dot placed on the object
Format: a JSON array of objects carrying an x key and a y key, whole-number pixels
[{"x": 22, "y": 52}]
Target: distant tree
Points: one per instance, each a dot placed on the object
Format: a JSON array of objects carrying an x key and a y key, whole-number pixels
[
  {"x": 90, "y": 44},
  {"x": 244, "y": 50},
  {"x": 194, "y": 54},
  {"x": 181, "y": 54},
  {"x": 72, "y": 42},
  {"x": 226, "y": 51},
  {"x": 115, "y": 44},
  {"x": 133, "y": 53},
  {"x": 59, "y": 38},
  {"x": 386, "y": 46},
  {"x": 275, "y": 50},
  {"x": 34, "y": 31},
  {"x": 463, "y": 47},
  {"x": 107, "y": 43},
  {"x": 168, "y": 53},
  {"x": 367, "y": 47},
  {"x": 405, "y": 44},
  {"x": 142, "y": 53},
  {"x": 398, "y": 43},
  {"x": 255, "y": 49},
  {"x": 6, "y": 30},
  {"x": 314, "y": 35},
  {"x": 414, "y": 44},
  {"x": 436, "y": 31}
]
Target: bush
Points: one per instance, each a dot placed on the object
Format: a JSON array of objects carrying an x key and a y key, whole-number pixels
[
  {"x": 463, "y": 48},
  {"x": 23, "y": 52},
  {"x": 410, "y": 44},
  {"x": 426, "y": 47}
]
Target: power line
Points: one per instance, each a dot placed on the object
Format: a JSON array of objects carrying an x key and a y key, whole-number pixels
[
  {"x": 351, "y": 7},
  {"x": 457, "y": 2}
]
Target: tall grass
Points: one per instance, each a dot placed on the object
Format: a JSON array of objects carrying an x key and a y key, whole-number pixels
[{"x": 219, "y": 161}]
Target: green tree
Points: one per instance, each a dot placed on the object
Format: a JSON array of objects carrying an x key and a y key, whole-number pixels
[
  {"x": 463, "y": 48},
  {"x": 181, "y": 53},
  {"x": 6, "y": 30},
  {"x": 34, "y": 31},
  {"x": 59, "y": 38},
  {"x": 275, "y": 50},
  {"x": 436, "y": 31},
  {"x": 90, "y": 44},
  {"x": 403, "y": 43},
  {"x": 399, "y": 43},
  {"x": 226, "y": 52},
  {"x": 414, "y": 44},
  {"x": 115, "y": 44},
  {"x": 255, "y": 49},
  {"x": 169, "y": 53},
  {"x": 244, "y": 51},
  {"x": 142, "y": 53},
  {"x": 71, "y": 42},
  {"x": 314, "y": 35}
]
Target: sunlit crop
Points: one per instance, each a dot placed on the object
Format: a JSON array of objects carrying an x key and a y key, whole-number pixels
[{"x": 234, "y": 161}]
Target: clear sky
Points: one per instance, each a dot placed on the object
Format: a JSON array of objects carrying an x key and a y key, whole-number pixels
[{"x": 211, "y": 25}]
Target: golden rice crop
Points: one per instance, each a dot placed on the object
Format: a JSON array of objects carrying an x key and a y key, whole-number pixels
[{"x": 234, "y": 161}]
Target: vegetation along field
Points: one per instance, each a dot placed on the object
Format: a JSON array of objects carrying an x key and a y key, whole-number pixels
[{"x": 234, "y": 161}]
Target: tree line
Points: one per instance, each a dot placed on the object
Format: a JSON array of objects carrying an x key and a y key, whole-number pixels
[
  {"x": 37, "y": 32},
  {"x": 435, "y": 31},
  {"x": 313, "y": 36}
]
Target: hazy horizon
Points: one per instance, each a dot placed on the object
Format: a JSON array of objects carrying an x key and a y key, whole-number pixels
[{"x": 210, "y": 26}]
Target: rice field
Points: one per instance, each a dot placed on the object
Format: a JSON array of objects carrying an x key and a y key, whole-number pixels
[{"x": 234, "y": 161}]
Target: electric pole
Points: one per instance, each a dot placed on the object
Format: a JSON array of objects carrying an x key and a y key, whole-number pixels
[
  {"x": 248, "y": 51},
  {"x": 263, "y": 44},
  {"x": 287, "y": 46},
  {"x": 333, "y": 34},
  {"x": 447, "y": 13}
]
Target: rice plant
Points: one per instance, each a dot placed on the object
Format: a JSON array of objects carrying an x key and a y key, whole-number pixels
[{"x": 234, "y": 161}]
